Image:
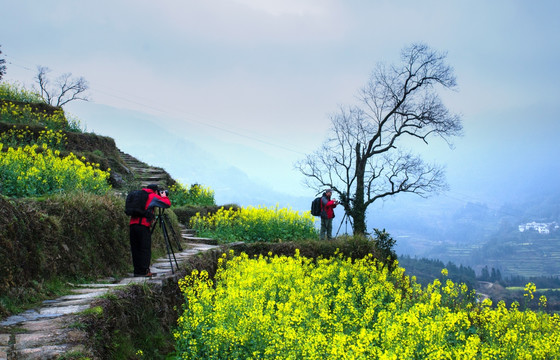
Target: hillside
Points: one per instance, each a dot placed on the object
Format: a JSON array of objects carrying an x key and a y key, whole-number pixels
[{"x": 65, "y": 236}]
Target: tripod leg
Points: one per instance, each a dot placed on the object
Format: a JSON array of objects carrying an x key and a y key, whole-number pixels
[
  {"x": 156, "y": 221},
  {"x": 341, "y": 222},
  {"x": 168, "y": 222},
  {"x": 169, "y": 247}
]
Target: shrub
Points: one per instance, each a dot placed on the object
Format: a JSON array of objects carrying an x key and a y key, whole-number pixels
[
  {"x": 186, "y": 212},
  {"x": 254, "y": 224},
  {"x": 385, "y": 244},
  {"x": 196, "y": 195}
]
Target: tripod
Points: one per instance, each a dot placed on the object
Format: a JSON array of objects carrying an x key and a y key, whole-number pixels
[
  {"x": 345, "y": 217},
  {"x": 163, "y": 221}
]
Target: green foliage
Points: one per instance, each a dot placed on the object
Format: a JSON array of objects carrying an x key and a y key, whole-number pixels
[
  {"x": 196, "y": 195},
  {"x": 74, "y": 124},
  {"x": 18, "y": 93},
  {"x": 74, "y": 355},
  {"x": 20, "y": 299},
  {"x": 256, "y": 224},
  {"x": 185, "y": 213},
  {"x": 385, "y": 244},
  {"x": 2, "y": 66},
  {"x": 427, "y": 270}
]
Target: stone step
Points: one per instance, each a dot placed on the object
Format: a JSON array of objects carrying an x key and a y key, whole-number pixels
[
  {"x": 143, "y": 171},
  {"x": 201, "y": 240},
  {"x": 154, "y": 178}
]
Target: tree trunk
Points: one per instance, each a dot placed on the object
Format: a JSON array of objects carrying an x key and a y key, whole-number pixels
[{"x": 359, "y": 209}]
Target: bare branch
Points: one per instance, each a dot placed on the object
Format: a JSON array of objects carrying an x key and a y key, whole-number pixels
[
  {"x": 2, "y": 66},
  {"x": 64, "y": 90},
  {"x": 362, "y": 159}
]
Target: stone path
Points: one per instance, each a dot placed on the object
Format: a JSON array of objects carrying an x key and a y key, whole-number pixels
[
  {"x": 47, "y": 332},
  {"x": 145, "y": 173}
]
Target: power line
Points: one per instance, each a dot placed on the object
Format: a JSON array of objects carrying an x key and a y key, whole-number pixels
[{"x": 190, "y": 119}]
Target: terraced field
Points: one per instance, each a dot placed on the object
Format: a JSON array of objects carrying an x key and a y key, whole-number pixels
[
  {"x": 526, "y": 254},
  {"x": 538, "y": 255}
]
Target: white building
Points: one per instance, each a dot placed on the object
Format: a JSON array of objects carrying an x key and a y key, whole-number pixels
[{"x": 541, "y": 228}]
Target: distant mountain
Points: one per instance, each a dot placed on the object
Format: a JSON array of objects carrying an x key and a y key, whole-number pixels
[{"x": 145, "y": 138}]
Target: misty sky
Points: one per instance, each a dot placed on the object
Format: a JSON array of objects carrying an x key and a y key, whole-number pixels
[{"x": 253, "y": 82}]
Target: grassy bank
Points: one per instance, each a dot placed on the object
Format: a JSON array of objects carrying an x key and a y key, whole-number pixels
[{"x": 62, "y": 238}]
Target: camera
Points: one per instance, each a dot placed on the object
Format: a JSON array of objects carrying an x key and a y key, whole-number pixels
[{"x": 163, "y": 191}]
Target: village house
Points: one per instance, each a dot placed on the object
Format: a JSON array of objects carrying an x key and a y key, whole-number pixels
[{"x": 541, "y": 228}]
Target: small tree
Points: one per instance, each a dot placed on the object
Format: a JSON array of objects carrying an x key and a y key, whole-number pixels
[
  {"x": 385, "y": 244},
  {"x": 2, "y": 66},
  {"x": 65, "y": 87},
  {"x": 362, "y": 161}
]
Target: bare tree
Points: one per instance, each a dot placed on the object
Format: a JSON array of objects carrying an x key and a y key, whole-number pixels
[
  {"x": 364, "y": 159},
  {"x": 65, "y": 87},
  {"x": 2, "y": 66}
]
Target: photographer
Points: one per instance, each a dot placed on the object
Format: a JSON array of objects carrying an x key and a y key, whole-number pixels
[
  {"x": 327, "y": 214},
  {"x": 140, "y": 234}
]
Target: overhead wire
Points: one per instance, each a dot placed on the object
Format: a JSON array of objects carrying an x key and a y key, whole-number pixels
[{"x": 181, "y": 116}]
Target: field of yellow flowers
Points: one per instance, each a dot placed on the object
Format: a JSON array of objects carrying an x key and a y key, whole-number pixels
[
  {"x": 278, "y": 307},
  {"x": 14, "y": 137},
  {"x": 21, "y": 106},
  {"x": 13, "y": 113},
  {"x": 254, "y": 224},
  {"x": 34, "y": 171}
]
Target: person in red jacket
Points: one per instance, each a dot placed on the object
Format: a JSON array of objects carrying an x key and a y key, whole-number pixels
[
  {"x": 140, "y": 233},
  {"x": 327, "y": 214}
]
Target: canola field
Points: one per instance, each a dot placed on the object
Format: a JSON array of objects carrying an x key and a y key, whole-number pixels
[
  {"x": 256, "y": 224},
  {"x": 278, "y": 307},
  {"x": 35, "y": 171}
]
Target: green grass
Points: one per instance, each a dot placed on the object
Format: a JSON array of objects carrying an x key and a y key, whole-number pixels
[
  {"x": 18, "y": 300},
  {"x": 16, "y": 92},
  {"x": 131, "y": 321}
]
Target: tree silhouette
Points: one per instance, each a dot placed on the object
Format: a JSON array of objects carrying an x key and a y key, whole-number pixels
[
  {"x": 363, "y": 160},
  {"x": 2, "y": 66},
  {"x": 65, "y": 87}
]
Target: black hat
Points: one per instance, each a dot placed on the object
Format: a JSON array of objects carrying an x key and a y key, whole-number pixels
[{"x": 153, "y": 187}]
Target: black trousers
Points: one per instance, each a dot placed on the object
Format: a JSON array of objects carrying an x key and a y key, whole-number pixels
[{"x": 141, "y": 248}]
